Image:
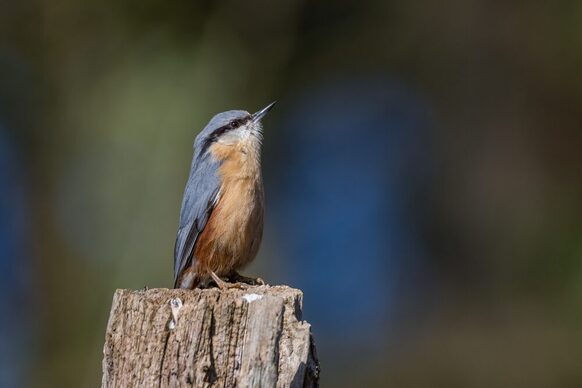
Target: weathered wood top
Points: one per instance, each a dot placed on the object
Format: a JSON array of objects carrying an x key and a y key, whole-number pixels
[{"x": 201, "y": 338}]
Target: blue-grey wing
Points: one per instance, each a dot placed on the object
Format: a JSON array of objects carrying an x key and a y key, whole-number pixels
[{"x": 199, "y": 199}]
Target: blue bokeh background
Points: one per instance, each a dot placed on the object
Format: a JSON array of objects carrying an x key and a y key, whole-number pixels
[{"x": 422, "y": 173}]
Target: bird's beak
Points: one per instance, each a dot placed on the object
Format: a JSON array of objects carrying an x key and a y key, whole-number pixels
[{"x": 256, "y": 117}]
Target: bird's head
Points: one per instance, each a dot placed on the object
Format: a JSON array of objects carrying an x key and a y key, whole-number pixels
[{"x": 231, "y": 128}]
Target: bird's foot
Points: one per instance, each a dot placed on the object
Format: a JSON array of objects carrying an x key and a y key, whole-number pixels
[
  {"x": 205, "y": 282},
  {"x": 236, "y": 277},
  {"x": 225, "y": 285}
]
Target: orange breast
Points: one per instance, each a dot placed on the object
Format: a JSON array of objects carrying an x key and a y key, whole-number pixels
[{"x": 234, "y": 230}]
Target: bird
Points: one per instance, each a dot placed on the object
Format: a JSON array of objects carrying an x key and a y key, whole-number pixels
[{"x": 221, "y": 219}]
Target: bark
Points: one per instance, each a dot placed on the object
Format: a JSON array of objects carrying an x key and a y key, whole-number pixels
[{"x": 209, "y": 338}]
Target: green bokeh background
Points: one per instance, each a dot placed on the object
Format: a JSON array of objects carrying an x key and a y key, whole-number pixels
[{"x": 104, "y": 98}]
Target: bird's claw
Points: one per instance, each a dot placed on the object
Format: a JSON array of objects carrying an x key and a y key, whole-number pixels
[
  {"x": 236, "y": 277},
  {"x": 226, "y": 285}
]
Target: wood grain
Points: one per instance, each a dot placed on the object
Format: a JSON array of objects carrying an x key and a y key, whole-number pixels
[{"x": 209, "y": 338}]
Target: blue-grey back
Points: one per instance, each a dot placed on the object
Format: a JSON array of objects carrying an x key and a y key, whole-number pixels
[
  {"x": 202, "y": 186},
  {"x": 200, "y": 195},
  {"x": 201, "y": 192}
]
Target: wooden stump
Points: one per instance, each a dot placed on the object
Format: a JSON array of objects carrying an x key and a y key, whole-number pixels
[{"x": 203, "y": 338}]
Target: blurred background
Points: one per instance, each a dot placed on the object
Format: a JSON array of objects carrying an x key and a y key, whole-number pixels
[{"x": 422, "y": 168}]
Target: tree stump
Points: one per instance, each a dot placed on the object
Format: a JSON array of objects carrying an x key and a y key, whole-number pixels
[{"x": 203, "y": 338}]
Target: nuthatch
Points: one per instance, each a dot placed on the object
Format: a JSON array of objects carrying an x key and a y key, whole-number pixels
[{"x": 221, "y": 221}]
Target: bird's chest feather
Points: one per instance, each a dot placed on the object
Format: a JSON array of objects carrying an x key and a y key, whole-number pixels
[
  {"x": 236, "y": 224},
  {"x": 238, "y": 212}
]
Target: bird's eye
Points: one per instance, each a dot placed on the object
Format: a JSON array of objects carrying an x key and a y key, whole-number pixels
[{"x": 233, "y": 124}]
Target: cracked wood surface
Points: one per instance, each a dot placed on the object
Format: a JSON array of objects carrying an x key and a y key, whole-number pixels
[{"x": 209, "y": 338}]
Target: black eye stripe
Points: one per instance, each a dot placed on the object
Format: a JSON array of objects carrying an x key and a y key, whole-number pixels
[
  {"x": 228, "y": 127},
  {"x": 237, "y": 123},
  {"x": 221, "y": 131}
]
